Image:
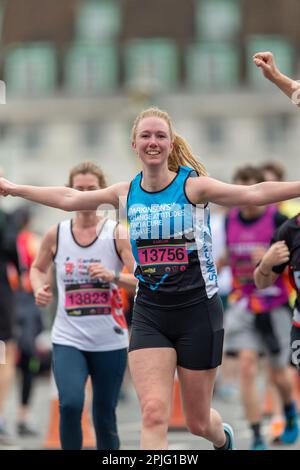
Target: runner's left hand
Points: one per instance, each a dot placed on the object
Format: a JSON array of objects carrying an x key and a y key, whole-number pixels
[{"x": 98, "y": 271}]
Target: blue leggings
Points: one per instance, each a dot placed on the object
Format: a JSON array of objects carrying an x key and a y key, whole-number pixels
[{"x": 71, "y": 369}]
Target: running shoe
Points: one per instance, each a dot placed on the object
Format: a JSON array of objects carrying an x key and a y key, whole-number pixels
[
  {"x": 6, "y": 441},
  {"x": 26, "y": 430},
  {"x": 290, "y": 433},
  {"x": 230, "y": 435},
  {"x": 258, "y": 444}
]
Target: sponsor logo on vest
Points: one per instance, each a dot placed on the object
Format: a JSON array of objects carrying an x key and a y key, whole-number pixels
[{"x": 210, "y": 266}]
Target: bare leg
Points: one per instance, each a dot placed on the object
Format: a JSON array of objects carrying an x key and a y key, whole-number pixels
[
  {"x": 7, "y": 373},
  {"x": 272, "y": 392},
  {"x": 197, "y": 390},
  {"x": 152, "y": 373},
  {"x": 281, "y": 378},
  {"x": 249, "y": 393}
]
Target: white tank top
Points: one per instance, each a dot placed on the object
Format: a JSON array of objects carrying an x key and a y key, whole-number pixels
[{"x": 89, "y": 312}]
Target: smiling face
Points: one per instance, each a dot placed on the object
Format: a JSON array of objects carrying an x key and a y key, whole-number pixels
[{"x": 153, "y": 143}]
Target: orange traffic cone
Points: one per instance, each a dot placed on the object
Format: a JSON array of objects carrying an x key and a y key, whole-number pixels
[
  {"x": 177, "y": 419},
  {"x": 276, "y": 426},
  {"x": 52, "y": 440}
]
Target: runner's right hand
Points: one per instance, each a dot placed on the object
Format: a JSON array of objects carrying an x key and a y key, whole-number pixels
[
  {"x": 266, "y": 62},
  {"x": 276, "y": 255},
  {"x": 43, "y": 295}
]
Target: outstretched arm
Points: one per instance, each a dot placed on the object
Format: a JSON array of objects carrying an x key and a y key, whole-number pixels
[
  {"x": 64, "y": 198},
  {"x": 266, "y": 61},
  {"x": 204, "y": 189}
]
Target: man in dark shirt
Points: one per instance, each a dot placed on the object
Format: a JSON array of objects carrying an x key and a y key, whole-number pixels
[
  {"x": 256, "y": 321},
  {"x": 284, "y": 251}
]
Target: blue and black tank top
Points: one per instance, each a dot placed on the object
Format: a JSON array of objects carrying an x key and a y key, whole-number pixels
[{"x": 171, "y": 243}]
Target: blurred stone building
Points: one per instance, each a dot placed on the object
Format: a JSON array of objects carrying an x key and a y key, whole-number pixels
[{"x": 77, "y": 72}]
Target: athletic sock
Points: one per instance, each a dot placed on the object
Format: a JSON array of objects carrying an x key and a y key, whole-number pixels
[
  {"x": 290, "y": 413},
  {"x": 255, "y": 427}
]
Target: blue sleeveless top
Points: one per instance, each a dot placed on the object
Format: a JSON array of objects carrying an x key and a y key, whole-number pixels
[{"x": 171, "y": 244}]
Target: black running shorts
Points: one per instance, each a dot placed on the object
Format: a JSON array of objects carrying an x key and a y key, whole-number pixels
[{"x": 195, "y": 332}]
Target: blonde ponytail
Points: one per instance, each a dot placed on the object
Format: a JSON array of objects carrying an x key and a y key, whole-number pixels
[{"x": 181, "y": 153}]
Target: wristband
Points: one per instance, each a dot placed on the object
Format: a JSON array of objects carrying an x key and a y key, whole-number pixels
[{"x": 116, "y": 277}]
